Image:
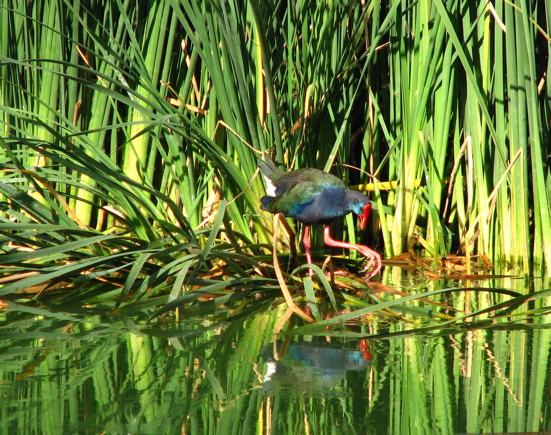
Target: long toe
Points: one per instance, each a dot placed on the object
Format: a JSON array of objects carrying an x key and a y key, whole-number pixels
[
  {"x": 368, "y": 266},
  {"x": 374, "y": 271},
  {"x": 375, "y": 262}
]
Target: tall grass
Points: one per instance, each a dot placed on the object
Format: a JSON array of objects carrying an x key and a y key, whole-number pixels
[{"x": 137, "y": 120}]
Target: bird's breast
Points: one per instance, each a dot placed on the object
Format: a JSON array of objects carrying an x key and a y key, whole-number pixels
[{"x": 323, "y": 208}]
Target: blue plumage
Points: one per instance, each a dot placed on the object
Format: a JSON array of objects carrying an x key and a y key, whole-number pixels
[{"x": 309, "y": 195}]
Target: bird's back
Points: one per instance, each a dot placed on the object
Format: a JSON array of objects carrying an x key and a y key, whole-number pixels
[{"x": 284, "y": 181}]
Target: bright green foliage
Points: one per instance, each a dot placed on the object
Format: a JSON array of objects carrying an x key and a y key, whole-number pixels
[{"x": 135, "y": 119}]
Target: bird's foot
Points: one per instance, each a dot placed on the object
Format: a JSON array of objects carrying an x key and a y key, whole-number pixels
[
  {"x": 370, "y": 269},
  {"x": 375, "y": 262}
]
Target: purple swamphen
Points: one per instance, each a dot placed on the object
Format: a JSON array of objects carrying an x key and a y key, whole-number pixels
[{"x": 312, "y": 197}]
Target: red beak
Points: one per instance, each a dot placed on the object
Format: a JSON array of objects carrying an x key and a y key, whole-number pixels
[{"x": 364, "y": 216}]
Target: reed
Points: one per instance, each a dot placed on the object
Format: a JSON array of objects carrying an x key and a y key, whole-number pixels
[{"x": 145, "y": 124}]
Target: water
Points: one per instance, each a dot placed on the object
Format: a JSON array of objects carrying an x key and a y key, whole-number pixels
[{"x": 76, "y": 373}]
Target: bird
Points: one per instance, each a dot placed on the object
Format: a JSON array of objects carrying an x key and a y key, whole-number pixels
[{"x": 314, "y": 197}]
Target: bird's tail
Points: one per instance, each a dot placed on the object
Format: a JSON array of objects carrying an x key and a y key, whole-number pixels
[
  {"x": 267, "y": 167},
  {"x": 266, "y": 200}
]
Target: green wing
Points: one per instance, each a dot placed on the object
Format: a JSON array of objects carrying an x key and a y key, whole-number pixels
[{"x": 296, "y": 196}]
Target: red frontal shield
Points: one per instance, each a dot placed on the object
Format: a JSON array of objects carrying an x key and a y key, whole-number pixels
[{"x": 364, "y": 216}]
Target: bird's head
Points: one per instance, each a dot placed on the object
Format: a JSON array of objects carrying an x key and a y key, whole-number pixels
[{"x": 360, "y": 205}]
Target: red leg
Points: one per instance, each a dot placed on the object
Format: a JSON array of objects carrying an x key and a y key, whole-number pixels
[
  {"x": 307, "y": 242},
  {"x": 375, "y": 261}
]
